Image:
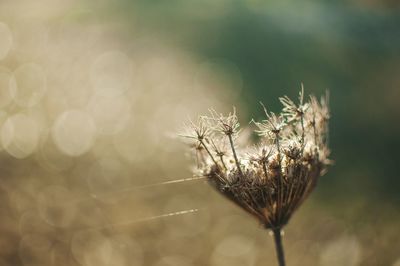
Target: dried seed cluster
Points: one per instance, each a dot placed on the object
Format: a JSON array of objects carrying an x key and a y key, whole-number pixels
[{"x": 271, "y": 179}]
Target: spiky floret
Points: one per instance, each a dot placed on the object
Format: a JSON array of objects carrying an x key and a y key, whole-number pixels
[{"x": 269, "y": 180}]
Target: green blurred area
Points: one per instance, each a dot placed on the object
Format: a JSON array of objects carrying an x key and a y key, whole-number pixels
[{"x": 350, "y": 48}]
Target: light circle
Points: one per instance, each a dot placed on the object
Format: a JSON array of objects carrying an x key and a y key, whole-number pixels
[
  {"x": 28, "y": 84},
  {"x": 20, "y": 135},
  {"x": 74, "y": 132}
]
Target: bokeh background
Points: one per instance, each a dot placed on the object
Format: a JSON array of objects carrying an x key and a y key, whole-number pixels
[{"x": 92, "y": 94}]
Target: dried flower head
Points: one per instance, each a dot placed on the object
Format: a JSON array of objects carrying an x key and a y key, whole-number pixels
[
  {"x": 228, "y": 125},
  {"x": 272, "y": 126},
  {"x": 269, "y": 180},
  {"x": 294, "y": 111}
]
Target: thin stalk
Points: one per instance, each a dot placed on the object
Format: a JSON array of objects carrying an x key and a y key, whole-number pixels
[
  {"x": 315, "y": 134},
  {"x": 278, "y": 246},
  {"x": 234, "y": 155},
  {"x": 280, "y": 185},
  {"x": 221, "y": 157},
  {"x": 314, "y": 130},
  {"x": 279, "y": 149},
  {"x": 302, "y": 129},
  {"x": 302, "y": 133},
  {"x": 219, "y": 153},
  {"x": 264, "y": 166},
  {"x": 209, "y": 153}
]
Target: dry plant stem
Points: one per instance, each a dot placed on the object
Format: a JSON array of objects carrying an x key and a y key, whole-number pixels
[
  {"x": 234, "y": 155},
  {"x": 314, "y": 129},
  {"x": 222, "y": 161},
  {"x": 208, "y": 151},
  {"x": 278, "y": 149},
  {"x": 302, "y": 130},
  {"x": 278, "y": 246}
]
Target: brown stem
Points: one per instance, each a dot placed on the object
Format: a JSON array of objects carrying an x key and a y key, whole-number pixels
[
  {"x": 234, "y": 155},
  {"x": 264, "y": 165},
  {"x": 278, "y": 246},
  {"x": 280, "y": 183},
  {"x": 279, "y": 150},
  {"x": 302, "y": 133},
  {"x": 314, "y": 130}
]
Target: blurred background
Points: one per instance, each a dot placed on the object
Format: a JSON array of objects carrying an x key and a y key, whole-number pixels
[{"x": 92, "y": 94}]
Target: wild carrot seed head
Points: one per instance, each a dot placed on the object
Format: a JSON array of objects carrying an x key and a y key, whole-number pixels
[{"x": 269, "y": 180}]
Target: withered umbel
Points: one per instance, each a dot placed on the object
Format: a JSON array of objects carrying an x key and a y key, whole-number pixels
[{"x": 271, "y": 179}]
